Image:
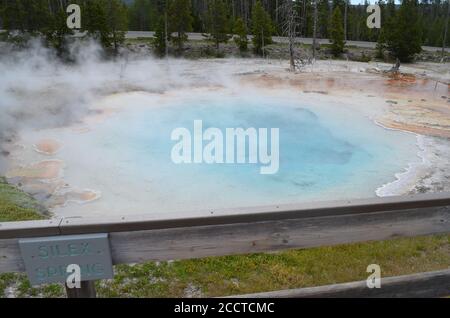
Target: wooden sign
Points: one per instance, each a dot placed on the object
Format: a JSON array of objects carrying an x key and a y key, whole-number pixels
[{"x": 47, "y": 258}]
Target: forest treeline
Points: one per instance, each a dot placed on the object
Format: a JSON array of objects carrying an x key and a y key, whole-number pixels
[
  {"x": 104, "y": 20},
  {"x": 405, "y": 27},
  {"x": 432, "y": 14}
]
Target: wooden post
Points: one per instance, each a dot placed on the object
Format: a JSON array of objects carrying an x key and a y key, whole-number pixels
[{"x": 87, "y": 290}]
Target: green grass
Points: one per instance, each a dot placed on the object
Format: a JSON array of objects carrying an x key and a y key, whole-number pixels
[
  {"x": 221, "y": 276},
  {"x": 139, "y": 41},
  {"x": 15, "y": 205}
]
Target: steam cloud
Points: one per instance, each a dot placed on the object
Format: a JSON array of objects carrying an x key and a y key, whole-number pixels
[{"x": 37, "y": 90}]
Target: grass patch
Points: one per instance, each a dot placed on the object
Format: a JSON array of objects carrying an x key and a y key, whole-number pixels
[
  {"x": 228, "y": 275},
  {"x": 17, "y": 285},
  {"x": 15, "y": 205},
  {"x": 221, "y": 276},
  {"x": 139, "y": 40}
]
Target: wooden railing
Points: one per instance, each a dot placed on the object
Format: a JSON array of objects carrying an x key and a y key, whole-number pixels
[{"x": 136, "y": 239}]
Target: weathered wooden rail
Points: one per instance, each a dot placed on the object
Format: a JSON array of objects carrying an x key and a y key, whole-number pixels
[
  {"x": 431, "y": 284},
  {"x": 135, "y": 239}
]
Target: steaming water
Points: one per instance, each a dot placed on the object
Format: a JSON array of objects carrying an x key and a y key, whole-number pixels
[{"x": 326, "y": 153}]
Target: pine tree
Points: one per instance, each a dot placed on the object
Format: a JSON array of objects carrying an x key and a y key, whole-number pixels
[
  {"x": 381, "y": 43},
  {"x": 38, "y": 17},
  {"x": 388, "y": 16},
  {"x": 405, "y": 37},
  {"x": 381, "y": 36},
  {"x": 315, "y": 18},
  {"x": 159, "y": 40},
  {"x": 106, "y": 21},
  {"x": 57, "y": 35},
  {"x": 14, "y": 15},
  {"x": 323, "y": 17},
  {"x": 143, "y": 15},
  {"x": 337, "y": 33},
  {"x": 180, "y": 21},
  {"x": 444, "y": 36},
  {"x": 262, "y": 28},
  {"x": 217, "y": 23},
  {"x": 241, "y": 40},
  {"x": 95, "y": 22},
  {"x": 117, "y": 22}
]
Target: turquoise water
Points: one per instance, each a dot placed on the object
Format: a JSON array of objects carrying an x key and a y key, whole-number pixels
[{"x": 325, "y": 154}]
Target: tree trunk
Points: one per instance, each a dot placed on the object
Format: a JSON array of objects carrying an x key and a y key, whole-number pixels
[
  {"x": 315, "y": 30},
  {"x": 345, "y": 20},
  {"x": 262, "y": 40},
  {"x": 166, "y": 38},
  {"x": 444, "y": 39},
  {"x": 276, "y": 12}
]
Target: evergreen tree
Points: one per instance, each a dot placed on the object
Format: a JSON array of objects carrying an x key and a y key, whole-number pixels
[
  {"x": 117, "y": 22},
  {"x": 106, "y": 21},
  {"x": 381, "y": 43},
  {"x": 31, "y": 17},
  {"x": 337, "y": 33},
  {"x": 95, "y": 21},
  {"x": 217, "y": 23},
  {"x": 38, "y": 18},
  {"x": 57, "y": 34},
  {"x": 387, "y": 25},
  {"x": 159, "y": 40},
  {"x": 241, "y": 40},
  {"x": 14, "y": 15},
  {"x": 445, "y": 33},
  {"x": 404, "y": 37},
  {"x": 323, "y": 17},
  {"x": 262, "y": 28},
  {"x": 143, "y": 15},
  {"x": 180, "y": 21}
]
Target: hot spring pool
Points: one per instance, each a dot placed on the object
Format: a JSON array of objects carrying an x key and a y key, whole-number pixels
[{"x": 326, "y": 152}]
